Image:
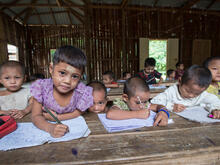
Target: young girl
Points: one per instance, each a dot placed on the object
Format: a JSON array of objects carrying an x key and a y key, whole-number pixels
[
  {"x": 135, "y": 103},
  {"x": 14, "y": 100},
  {"x": 170, "y": 75},
  {"x": 63, "y": 93},
  {"x": 108, "y": 79},
  {"x": 190, "y": 92},
  {"x": 213, "y": 64},
  {"x": 99, "y": 97},
  {"x": 179, "y": 70}
]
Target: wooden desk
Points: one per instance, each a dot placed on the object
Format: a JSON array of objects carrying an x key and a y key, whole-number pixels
[
  {"x": 181, "y": 143},
  {"x": 168, "y": 83},
  {"x": 117, "y": 93}
]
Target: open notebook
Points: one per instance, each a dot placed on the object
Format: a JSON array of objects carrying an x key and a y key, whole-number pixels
[
  {"x": 128, "y": 124},
  {"x": 197, "y": 114},
  {"x": 27, "y": 134}
]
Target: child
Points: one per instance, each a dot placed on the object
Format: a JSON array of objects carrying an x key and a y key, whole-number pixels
[
  {"x": 14, "y": 100},
  {"x": 179, "y": 70},
  {"x": 190, "y": 92},
  {"x": 149, "y": 74},
  {"x": 99, "y": 97},
  {"x": 126, "y": 75},
  {"x": 63, "y": 94},
  {"x": 135, "y": 103},
  {"x": 108, "y": 80},
  {"x": 213, "y": 64},
  {"x": 170, "y": 75}
]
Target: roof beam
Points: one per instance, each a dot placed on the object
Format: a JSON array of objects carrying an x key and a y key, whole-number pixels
[
  {"x": 52, "y": 13},
  {"x": 189, "y": 4},
  {"x": 21, "y": 13},
  {"x": 72, "y": 3},
  {"x": 124, "y": 3},
  {"x": 11, "y": 3},
  {"x": 38, "y": 16},
  {"x": 155, "y": 3},
  {"x": 76, "y": 14},
  {"x": 68, "y": 13},
  {"x": 29, "y": 12},
  {"x": 210, "y": 4},
  {"x": 39, "y": 5}
]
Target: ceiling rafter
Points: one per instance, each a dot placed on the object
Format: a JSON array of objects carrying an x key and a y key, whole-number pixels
[
  {"x": 155, "y": 3},
  {"x": 11, "y": 3},
  {"x": 68, "y": 13},
  {"x": 189, "y": 4},
  {"x": 75, "y": 13},
  {"x": 52, "y": 13},
  {"x": 124, "y": 3},
  {"x": 55, "y": 12},
  {"x": 210, "y": 4},
  {"x": 20, "y": 14},
  {"x": 39, "y": 5},
  {"x": 29, "y": 12},
  {"x": 72, "y": 3},
  {"x": 38, "y": 16}
]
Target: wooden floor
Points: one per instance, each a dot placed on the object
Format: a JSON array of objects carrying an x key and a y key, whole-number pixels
[{"x": 183, "y": 142}]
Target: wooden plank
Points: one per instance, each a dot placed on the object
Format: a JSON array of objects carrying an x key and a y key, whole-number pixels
[{"x": 177, "y": 143}]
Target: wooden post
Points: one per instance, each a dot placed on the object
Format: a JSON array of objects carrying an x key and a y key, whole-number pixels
[{"x": 3, "y": 41}]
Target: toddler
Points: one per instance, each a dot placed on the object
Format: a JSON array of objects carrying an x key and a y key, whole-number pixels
[
  {"x": 149, "y": 74},
  {"x": 190, "y": 92},
  {"x": 170, "y": 75},
  {"x": 213, "y": 64},
  {"x": 134, "y": 103},
  {"x": 63, "y": 94},
  {"x": 14, "y": 100},
  {"x": 99, "y": 97},
  {"x": 108, "y": 80},
  {"x": 179, "y": 70}
]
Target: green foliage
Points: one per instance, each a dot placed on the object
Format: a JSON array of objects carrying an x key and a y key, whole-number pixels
[{"x": 158, "y": 50}]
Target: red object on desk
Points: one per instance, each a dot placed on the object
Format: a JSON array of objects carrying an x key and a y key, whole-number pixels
[{"x": 8, "y": 125}]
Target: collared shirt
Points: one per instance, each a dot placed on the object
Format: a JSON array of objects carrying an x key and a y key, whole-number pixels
[
  {"x": 82, "y": 98},
  {"x": 149, "y": 78},
  {"x": 172, "y": 96}
]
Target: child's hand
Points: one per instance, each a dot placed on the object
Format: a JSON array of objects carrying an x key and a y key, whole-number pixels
[
  {"x": 216, "y": 114},
  {"x": 17, "y": 114},
  {"x": 58, "y": 130},
  {"x": 47, "y": 116},
  {"x": 178, "y": 108},
  {"x": 161, "y": 119},
  {"x": 143, "y": 114}
]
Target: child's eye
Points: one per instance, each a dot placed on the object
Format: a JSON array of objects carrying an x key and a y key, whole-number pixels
[
  {"x": 6, "y": 78},
  {"x": 17, "y": 77},
  {"x": 144, "y": 102},
  {"x": 62, "y": 73},
  {"x": 138, "y": 102},
  {"x": 76, "y": 77},
  {"x": 100, "y": 102}
]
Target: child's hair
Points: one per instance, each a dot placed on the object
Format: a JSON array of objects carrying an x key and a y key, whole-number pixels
[
  {"x": 70, "y": 55},
  {"x": 178, "y": 63},
  {"x": 149, "y": 62},
  {"x": 124, "y": 74},
  {"x": 169, "y": 72},
  {"x": 98, "y": 86},
  {"x": 199, "y": 74},
  {"x": 110, "y": 74},
  {"x": 12, "y": 64},
  {"x": 134, "y": 84},
  {"x": 210, "y": 59}
]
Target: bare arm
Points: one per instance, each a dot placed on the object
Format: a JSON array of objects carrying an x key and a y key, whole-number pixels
[
  {"x": 161, "y": 118},
  {"x": 116, "y": 113},
  {"x": 56, "y": 130}
]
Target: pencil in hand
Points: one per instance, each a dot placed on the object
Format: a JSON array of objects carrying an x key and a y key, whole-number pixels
[{"x": 51, "y": 114}]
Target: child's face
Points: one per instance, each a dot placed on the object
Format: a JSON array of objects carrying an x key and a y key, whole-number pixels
[
  {"x": 134, "y": 103},
  {"x": 128, "y": 75},
  {"x": 106, "y": 79},
  {"x": 149, "y": 69},
  {"x": 12, "y": 78},
  {"x": 181, "y": 66},
  {"x": 99, "y": 102},
  {"x": 172, "y": 75},
  {"x": 214, "y": 67},
  {"x": 65, "y": 77},
  {"x": 190, "y": 90}
]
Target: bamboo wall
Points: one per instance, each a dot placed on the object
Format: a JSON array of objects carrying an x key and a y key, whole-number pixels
[{"x": 110, "y": 38}]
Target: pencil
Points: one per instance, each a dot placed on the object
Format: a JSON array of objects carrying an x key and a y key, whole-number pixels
[
  {"x": 54, "y": 117},
  {"x": 140, "y": 101}
]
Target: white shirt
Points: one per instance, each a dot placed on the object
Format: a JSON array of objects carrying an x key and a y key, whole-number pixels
[
  {"x": 172, "y": 96},
  {"x": 17, "y": 100}
]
